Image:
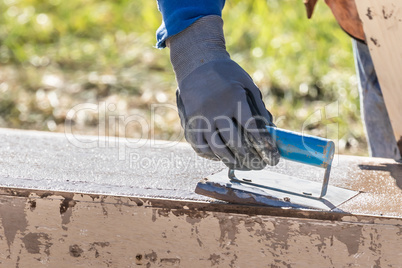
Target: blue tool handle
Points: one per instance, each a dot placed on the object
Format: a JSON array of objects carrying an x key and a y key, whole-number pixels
[{"x": 305, "y": 149}]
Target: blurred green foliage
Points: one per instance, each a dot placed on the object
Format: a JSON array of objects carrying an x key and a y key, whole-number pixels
[{"x": 56, "y": 54}]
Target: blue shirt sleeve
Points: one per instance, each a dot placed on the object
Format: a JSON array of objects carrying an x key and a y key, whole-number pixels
[{"x": 177, "y": 15}]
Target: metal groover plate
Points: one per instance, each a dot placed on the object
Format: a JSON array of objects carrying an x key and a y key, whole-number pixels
[{"x": 272, "y": 189}]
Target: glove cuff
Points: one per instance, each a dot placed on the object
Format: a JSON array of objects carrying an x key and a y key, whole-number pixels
[{"x": 200, "y": 43}]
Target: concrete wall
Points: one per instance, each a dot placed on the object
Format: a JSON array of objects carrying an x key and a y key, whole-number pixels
[{"x": 55, "y": 229}]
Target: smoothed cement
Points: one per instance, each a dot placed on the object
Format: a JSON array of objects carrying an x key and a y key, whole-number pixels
[
  {"x": 150, "y": 227},
  {"x": 88, "y": 164}
]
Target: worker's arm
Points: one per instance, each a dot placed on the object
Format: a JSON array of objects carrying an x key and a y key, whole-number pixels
[
  {"x": 177, "y": 15},
  {"x": 220, "y": 107}
]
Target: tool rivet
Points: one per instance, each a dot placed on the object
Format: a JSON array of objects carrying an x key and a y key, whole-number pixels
[{"x": 286, "y": 199}]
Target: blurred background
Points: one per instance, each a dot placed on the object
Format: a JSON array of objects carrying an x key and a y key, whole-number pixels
[{"x": 57, "y": 54}]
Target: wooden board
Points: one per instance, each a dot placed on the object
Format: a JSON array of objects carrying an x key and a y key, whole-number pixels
[
  {"x": 382, "y": 23},
  {"x": 64, "y": 230}
]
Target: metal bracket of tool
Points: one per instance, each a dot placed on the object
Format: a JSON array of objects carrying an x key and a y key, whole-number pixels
[
  {"x": 306, "y": 149},
  {"x": 324, "y": 188}
]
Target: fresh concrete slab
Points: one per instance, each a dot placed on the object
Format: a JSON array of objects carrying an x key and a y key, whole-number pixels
[
  {"x": 171, "y": 170},
  {"x": 93, "y": 203}
]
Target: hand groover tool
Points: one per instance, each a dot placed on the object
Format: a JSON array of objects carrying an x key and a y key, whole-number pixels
[{"x": 277, "y": 189}]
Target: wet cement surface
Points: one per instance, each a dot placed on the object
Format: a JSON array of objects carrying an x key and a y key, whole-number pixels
[{"x": 85, "y": 164}]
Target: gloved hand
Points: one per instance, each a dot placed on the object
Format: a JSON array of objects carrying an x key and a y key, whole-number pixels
[{"x": 220, "y": 107}]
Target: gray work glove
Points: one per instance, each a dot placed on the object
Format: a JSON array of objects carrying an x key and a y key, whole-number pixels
[{"x": 220, "y": 107}]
